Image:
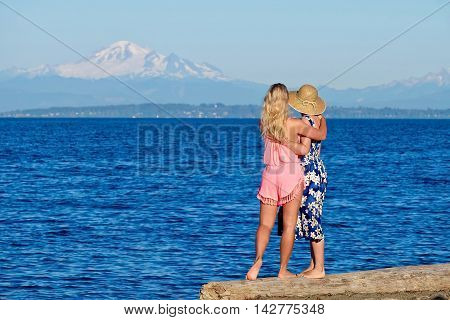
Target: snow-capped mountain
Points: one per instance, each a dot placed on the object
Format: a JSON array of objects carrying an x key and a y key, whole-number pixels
[
  {"x": 441, "y": 79},
  {"x": 124, "y": 58},
  {"x": 429, "y": 91},
  {"x": 172, "y": 79}
]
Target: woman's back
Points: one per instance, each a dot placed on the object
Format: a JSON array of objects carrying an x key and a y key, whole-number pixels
[{"x": 277, "y": 154}]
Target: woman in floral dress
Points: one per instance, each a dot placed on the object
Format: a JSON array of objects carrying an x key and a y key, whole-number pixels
[{"x": 309, "y": 222}]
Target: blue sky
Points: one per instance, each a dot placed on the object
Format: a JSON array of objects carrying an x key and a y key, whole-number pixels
[{"x": 264, "y": 41}]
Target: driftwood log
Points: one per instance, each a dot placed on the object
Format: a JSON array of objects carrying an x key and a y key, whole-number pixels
[{"x": 415, "y": 282}]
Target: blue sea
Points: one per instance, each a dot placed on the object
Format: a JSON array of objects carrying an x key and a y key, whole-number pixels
[{"x": 154, "y": 208}]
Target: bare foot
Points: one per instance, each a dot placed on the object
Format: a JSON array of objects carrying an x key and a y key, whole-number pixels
[
  {"x": 314, "y": 274},
  {"x": 311, "y": 266},
  {"x": 252, "y": 274},
  {"x": 286, "y": 274}
]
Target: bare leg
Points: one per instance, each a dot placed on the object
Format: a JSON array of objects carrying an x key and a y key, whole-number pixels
[
  {"x": 311, "y": 263},
  {"x": 267, "y": 215},
  {"x": 318, "y": 271},
  {"x": 290, "y": 214}
]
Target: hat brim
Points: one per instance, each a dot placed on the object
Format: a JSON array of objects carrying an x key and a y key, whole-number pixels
[{"x": 296, "y": 103}]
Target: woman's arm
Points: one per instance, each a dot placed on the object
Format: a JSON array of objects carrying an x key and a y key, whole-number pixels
[
  {"x": 302, "y": 147},
  {"x": 299, "y": 149},
  {"x": 305, "y": 141},
  {"x": 314, "y": 134}
]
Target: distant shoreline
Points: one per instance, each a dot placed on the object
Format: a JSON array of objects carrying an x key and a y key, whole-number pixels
[
  {"x": 214, "y": 111},
  {"x": 167, "y": 118}
]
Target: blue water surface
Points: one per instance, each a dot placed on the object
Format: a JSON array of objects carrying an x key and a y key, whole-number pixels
[{"x": 154, "y": 208}]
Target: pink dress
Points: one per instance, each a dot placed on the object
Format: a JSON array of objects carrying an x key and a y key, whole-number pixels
[{"x": 283, "y": 177}]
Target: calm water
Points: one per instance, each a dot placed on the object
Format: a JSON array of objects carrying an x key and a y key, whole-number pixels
[{"x": 147, "y": 209}]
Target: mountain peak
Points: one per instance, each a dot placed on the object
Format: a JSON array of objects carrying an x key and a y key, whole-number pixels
[
  {"x": 172, "y": 56},
  {"x": 440, "y": 78},
  {"x": 123, "y": 43},
  {"x": 119, "y": 51},
  {"x": 125, "y": 58},
  {"x": 127, "y": 46}
]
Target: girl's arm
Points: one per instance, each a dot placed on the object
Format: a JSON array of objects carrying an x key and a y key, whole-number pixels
[
  {"x": 305, "y": 141},
  {"x": 299, "y": 148},
  {"x": 304, "y": 129},
  {"x": 302, "y": 147}
]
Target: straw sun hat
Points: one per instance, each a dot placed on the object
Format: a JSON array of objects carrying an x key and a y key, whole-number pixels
[{"x": 306, "y": 100}]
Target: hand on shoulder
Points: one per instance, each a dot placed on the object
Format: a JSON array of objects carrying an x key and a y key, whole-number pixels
[{"x": 306, "y": 121}]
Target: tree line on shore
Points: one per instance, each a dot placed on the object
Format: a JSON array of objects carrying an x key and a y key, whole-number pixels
[{"x": 216, "y": 110}]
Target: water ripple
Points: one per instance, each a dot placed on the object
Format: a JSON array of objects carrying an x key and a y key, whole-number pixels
[{"x": 78, "y": 222}]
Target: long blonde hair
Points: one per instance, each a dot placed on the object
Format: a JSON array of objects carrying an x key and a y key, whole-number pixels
[{"x": 275, "y": 113}]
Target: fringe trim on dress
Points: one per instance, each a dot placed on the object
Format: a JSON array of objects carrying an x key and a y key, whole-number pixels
[{"x": 298, "y": 190}]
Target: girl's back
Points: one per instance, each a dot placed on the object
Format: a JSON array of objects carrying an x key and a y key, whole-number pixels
[{"x": 276, "y": 154}]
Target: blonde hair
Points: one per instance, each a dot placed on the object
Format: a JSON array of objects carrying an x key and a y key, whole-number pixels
[{"x": 275, "y": 113}]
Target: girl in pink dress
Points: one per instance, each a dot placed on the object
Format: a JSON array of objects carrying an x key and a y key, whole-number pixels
[{"x": 283, "y": 178}]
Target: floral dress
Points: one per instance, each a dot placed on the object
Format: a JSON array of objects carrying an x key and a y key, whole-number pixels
[{"x": 309, "y": 224}]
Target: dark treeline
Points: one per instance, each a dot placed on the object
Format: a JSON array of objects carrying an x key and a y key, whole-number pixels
[{"x": 217, "y": 110}]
